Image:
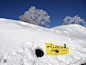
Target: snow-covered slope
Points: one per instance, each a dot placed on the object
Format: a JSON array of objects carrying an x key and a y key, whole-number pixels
[
  {"x": 74, "y": 31},
  {"x": 18, "y": 41}
]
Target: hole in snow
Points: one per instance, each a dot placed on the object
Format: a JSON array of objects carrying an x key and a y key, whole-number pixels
[
  {"x": 4, "y": 60},
  {"x": 39, "y": 52}
]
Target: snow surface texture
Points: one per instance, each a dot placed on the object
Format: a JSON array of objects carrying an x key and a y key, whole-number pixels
[{"x": 18, "y": 41}]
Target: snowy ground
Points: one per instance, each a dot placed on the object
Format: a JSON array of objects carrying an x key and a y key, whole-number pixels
[{"x": 18, "y": 41}]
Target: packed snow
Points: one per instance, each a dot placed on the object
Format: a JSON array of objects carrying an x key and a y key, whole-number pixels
[{"x": 19, "y": 40}]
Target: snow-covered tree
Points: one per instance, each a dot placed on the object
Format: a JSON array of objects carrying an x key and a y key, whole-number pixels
[
  {"x": 35, "y": 16},
  {"x": 74, "y": 20}
]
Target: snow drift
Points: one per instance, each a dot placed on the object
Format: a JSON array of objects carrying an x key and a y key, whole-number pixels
[{"x": 18, "y": 41}]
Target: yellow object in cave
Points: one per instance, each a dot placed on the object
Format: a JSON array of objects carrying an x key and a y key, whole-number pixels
[{"x": 52, "y": 49}]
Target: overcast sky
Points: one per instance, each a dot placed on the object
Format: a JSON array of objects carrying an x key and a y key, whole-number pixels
[{"x": 56, "y": 9}]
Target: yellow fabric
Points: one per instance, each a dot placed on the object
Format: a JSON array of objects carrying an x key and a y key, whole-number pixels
[{"x": 50, "y": 49}]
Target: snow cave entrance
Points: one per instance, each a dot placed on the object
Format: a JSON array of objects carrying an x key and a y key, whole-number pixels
[{"x": 39, "y": 52}]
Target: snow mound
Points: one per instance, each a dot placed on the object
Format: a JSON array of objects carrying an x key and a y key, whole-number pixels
[
  {"x": 18, "y": 41},
  {"x": 25, "y": 55}
]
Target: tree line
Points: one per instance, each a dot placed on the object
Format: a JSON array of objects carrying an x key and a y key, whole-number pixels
[{"x": 41, "y": 18}]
